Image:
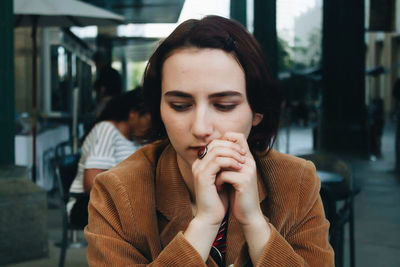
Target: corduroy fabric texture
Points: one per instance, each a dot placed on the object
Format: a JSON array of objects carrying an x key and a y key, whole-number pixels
[{"x": 139, "y": 210}]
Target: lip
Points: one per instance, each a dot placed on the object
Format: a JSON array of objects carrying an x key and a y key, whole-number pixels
[{"x": 196, "y": 147}]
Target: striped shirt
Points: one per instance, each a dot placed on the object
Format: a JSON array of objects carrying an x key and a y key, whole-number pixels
[{"x": 103, "y": 148}]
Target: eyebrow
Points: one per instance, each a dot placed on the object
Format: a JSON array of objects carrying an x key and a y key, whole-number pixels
[{"x": 216, "y": 95}]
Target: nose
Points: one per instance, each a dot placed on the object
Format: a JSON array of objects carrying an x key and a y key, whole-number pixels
[{"x": 202, "y": 125}]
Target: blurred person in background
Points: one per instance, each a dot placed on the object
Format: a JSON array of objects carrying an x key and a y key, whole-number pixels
[
  {"x": 117, "y": 133},
  {"x": 108, "y": 83}
]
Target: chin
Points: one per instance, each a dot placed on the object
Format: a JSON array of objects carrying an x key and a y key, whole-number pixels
[{"x": 187, "y": 158}]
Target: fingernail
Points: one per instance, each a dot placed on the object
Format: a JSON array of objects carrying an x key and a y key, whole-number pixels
[{"x": 242, "y": 151}]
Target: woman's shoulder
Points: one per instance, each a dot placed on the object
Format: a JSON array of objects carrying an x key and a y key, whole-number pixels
[
  {"x": 281, "y": 162},
  {"x": 292, "y": 188},
  {"x": 138, "y": 167},
  {"x": 125, "y": 194},
  {"x": 287, "y": 173}
]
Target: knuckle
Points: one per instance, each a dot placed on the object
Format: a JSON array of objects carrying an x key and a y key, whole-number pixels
[
  {"x": 222, "y": 176},
  {"x": 237, "y": 146},
  {"x": 219, "y": 160},
  {"x": 224, "y": 161},
  {"x": 213, "y": 143}
]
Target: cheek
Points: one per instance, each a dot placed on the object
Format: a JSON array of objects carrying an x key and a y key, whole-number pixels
[
  {"x": 240, "y": 122},
  {"x": 164, "y": 114},
  {"x": 242, "y": 126},
  {"x": 172, "y": 122},
  {"x": 174, "y": 126}
]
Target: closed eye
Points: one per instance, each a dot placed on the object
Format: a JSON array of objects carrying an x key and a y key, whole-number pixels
[
  {"x": 225, "y": 107},
  {"x": 180, "y": 106}
]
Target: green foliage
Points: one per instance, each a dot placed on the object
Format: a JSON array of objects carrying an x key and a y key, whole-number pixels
[
  {"x": 137, "y": 73},
  {"x": 284, "y": 60},
  {"x": 300, "y": 56}
]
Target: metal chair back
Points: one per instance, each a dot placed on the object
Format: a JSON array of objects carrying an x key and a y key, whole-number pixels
[
  {"x": 66, "y": 168},
  {"x": 330, "y": 195}
]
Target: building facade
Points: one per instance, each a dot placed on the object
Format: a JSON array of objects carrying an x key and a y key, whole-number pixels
[{"x": 382, "y": 55}]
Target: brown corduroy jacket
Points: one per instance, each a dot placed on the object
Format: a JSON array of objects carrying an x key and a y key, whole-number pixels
[{"x": 139, "y": 209}]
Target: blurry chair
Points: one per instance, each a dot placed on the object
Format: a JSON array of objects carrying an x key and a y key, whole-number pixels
[
  {"x": 331, "y": 194},
  {"x": 66, "y": 166},
  {"x": 49, "y": 174}
]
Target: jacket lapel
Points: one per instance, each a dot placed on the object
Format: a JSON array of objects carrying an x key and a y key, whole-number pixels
[{"x": 172, "y": 196}]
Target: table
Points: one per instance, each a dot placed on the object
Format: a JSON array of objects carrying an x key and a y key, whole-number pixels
[{"x": 329, "y": 177}]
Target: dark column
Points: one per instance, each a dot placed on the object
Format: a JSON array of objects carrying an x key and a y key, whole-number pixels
[
  {"x": 104, "y": 44},
  {"x": 343, "y": 121},
  {"x": 265, "y": 31},
  {"x": 238, "y": 11},
  {"x": 124, "y": 75},
  {"x": 7, "y": 99}
]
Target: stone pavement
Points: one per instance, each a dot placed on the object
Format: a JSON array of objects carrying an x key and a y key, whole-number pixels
[
  {"x": 75, "y": 257},
  {"x": 377, "y": 207}
]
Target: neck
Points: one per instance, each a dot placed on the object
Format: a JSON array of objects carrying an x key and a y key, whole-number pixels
[
  {"x": 186, "y": 172},
  {"x": 123, "y": 128}
]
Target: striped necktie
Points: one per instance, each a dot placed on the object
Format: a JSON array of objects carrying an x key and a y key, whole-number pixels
[{"x": 218, "y": 249}]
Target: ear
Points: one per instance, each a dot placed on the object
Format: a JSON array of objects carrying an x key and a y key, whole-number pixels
[{"x": 257, "y": 118}]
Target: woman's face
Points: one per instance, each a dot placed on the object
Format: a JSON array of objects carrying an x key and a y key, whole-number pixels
[{"x": 203, "y": 96}]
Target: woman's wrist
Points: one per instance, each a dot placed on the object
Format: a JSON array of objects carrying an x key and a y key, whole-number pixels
[
  {"x": 204, "y": 225},
  {"x": 201, "y": 235},
  {"x": 257, "y": 234},
  {"x": 256, "y": 225}
]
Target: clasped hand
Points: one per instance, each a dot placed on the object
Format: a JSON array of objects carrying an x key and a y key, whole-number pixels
[{"x": 226, "y": 177}]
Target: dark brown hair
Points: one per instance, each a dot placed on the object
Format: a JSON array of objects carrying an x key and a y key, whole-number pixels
[{"x": 219, "y": 33}]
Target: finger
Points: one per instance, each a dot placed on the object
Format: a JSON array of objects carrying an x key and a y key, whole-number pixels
[
  {"x": 230, "y": 177},
  {"x": 237, "y": 138},
  {"x": 218, "y": 152},
  {"x": 228, "y": 144},
  {"x": 224, "y": 163},
  {"x": 225, "y": 152},
  {"x": 211, "y": 168}
]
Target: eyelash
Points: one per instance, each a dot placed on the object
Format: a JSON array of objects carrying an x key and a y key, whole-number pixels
[
  {"x": 179, "y": 107},
  {"x": 220, "y": 107}
]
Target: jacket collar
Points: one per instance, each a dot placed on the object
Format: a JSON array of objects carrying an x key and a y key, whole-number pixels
[{"x": 172, "y": 194}]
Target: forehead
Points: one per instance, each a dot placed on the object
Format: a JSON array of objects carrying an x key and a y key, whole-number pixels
[{"x": 199, "y": 70}]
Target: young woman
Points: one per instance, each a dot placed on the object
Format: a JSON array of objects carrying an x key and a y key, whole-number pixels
[
  {"x": 113, "y": 138},
  {"x": 212, "y": 192}
]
